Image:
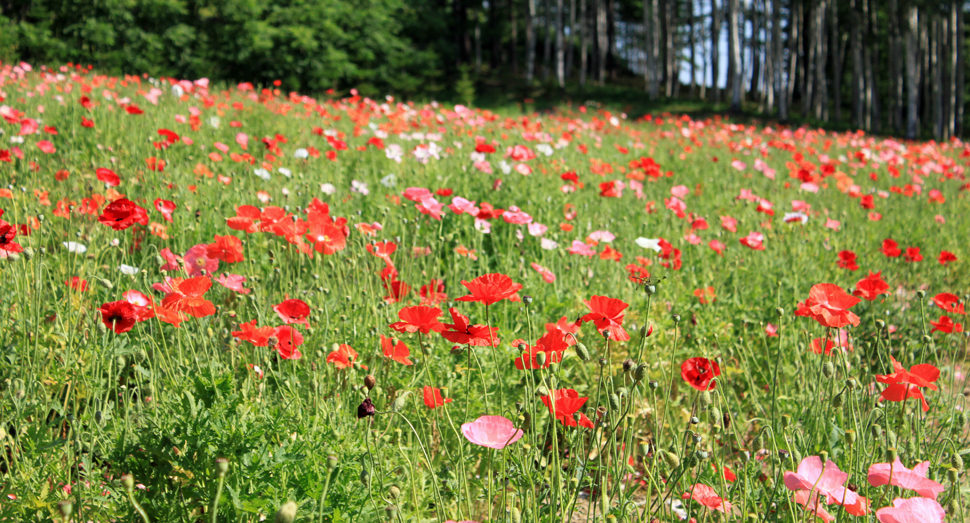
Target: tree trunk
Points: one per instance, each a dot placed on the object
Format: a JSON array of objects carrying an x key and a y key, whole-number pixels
[
  {"x": 571, "y": 45},
  {"x": 715, "y": 52},
  {"x": 912, "y": 84},
  {"x": 937, "y": 76},
  {"x": 530, "y": 41},
  {"x": 958, "y": 130},
  {"x": 808, "y": 81},
  {"x": 735, "y": 54},
  {"x": 855, "y": 43},
  {"x": 515, "y": 38},
  {"x": 693, "y": 44},
  {"x": 704, "y": 55},
  {"x": 873, "y": 115},
  {"x": 462, "y": 41},
  {"x": 478, "y": 45},
  {"x": 777, "y": 48},
  {"x": 754, "y": 43},
  {"x": 547, "y": 47},
  {"x": 496, "y": 30},
  {"x": 560, "y": 49},
  {"x": 794, "y": 44},
  {"x": 648, "y": 64},
  {"x": 583, "y": 43},
  {"x": 611, "y": 58},
  {"x": 670, "y": 53},
  {"x": 601, "y": 41},
  {"x": 954, "y": 65},
  {"x": 896, "y": 101},
  {"x": 835, "y": 53}
]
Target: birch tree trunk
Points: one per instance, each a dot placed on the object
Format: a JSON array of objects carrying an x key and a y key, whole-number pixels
[
  {"x": 693, "y": 43},
  {"x": 756, "y": 60},
  {"x": 958, "y": 130},
  {"x": 855, "y": 43},
  {"x": 601, "y": 41},
  {"x": 912, "y": 82},
  {"x": 530, "y": 41},
  {"x": 583, "y": 42},
  {"x": 715, "y": 52},
  {"x": 769, "y": 53},
  {"x": 547, "y": 48},
  {"x": 954, "y": 65},
  {"x": 735, "y": 54},
  {"x": 560, "y": 47},
  {"x": 835, "y": 52}
]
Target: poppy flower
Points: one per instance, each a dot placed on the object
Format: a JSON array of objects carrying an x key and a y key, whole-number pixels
[
  {"x": 288, "y": 339},
  {"x": 825, "y": 479},
  {"x": 107, "y": 176},
  {"x": 326, "y": 236},
  {"x": 46, "y": 147},
  {"x": 293, "y": 311},
  {"x": 946, "y": 257},
  {"x": 948, "y": 302},
  {"x": 197, "y": 260},
  {"x": 890, "y": 248},
  {"x": 382, "y": 249},
  {"x": 395, "y": 350},
  {"x": 900, "y": 392},
  {"x": 708, "y": 497},
  {"x": 754, "y": 240},
  {"x": 700, "y": 373},
  {"x": 77, "y": 284},
  {"x": 828, "y": 304},
  {"x": 461, "y": 332},
  {"x": 870, "y": 287},
  {"x": 913, "y": 255},
  {"x": 922, "y": 375},
  {"x": 7, "y": 234},
  {"x": 565, "y": 327},
  {"x": 912, "y": 510},
  {"x": 897, "y": 475},
  {"x": 433, "y": 398},
  {"x": 729, "y": 474},
  {"x": 366, "y": 408},
  {"x": 122, "y": 214},
  {"x": 246, "y": 219},
  {"x": 847, "y": 260},
  {"x": 118, "y": 316},
  {"x": 226, "y": 248},
  {"x": 564, "y": 404},
  {"x": 494, "y": 432},
  {"x": 607, "y": 314},
  {"x": 491, "y": 288},
  {"x": 433, "y": 293},
  {"x": 143, "y": 304},
  {"x": 233, "y": 282},
  {"x": 553, "y": 344},
  {"x": 165, "y": 207},
  {"x": 946, "y": 325},
  {"x": 396, "y": 290},
  {"x": 258, "y": 336},
  {"x": 343, "y": 357},
  {"x": 188, "y": 296},
  {"x": 418, "y": 319}
]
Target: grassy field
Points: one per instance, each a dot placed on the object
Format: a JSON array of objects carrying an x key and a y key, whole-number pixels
[{"x": 231, "y": 303}]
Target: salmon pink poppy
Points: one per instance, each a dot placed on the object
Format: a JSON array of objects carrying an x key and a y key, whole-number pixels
[
  {"x": 343, "y": 357},
  {"x": 107, "y": 176},
  {"x": 491, "y": 288},
  {"x": 912, "y": 510},
  {"x": 700, "y": 373},
  {"x": 463, "y": 333},
  {"x": 420, "y": 318},
  {"x": 494, "y": 432},
  {"x": 708, "y": 497},
  {"x": 433, "y": 398},
  {"x": 189, "y": 297},
  {"x": 293, "y": 311},
  {"x": 122, "y": 214},
  {"x": 897, "y": 475},
  {"x": 870, "y": 287},
  {"x": 197, "y": 260},
  {"x": 828, "y": 304},
  {"x": 607, "y": 314},
  {"x": 564, "y": 405},
  {"x": 395, "y": 350},
  {"x": 288, "y": 340},
  {"x": 233, "y": 282},
  {"x": 165, "y": 207},
  {"x": 119, "y": 316},
  {"x": 754, "y": 240}
]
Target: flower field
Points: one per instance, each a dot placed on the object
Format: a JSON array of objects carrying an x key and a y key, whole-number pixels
[{"x": 231, "y": 303}]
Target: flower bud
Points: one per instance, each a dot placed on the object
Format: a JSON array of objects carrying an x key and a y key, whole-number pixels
[
  {"x": 541, "y": 359},
  {"x": 780, "y": 311},
  {"x": 652, "y": 384},
  {"x": 128, "y": 483},
  {"x": 920, "y": 294},
  {"x": 957, "y": 461},
  {"x": 715, "y": 415},
  {"x": 400, "y": 402},
  {"x": 107, "y": 285},
  {"x": 628, "y": 365},
  {"x": 876, "y": 430},
  {"x": 527, "y": 300},
  {"x": 394, "y": 492},
  {"x": 672, "y": 460},
  {"x": 28, "y": 253},
  {"x": 705, "y": 399},
  {"x": 366, "y": 408},
  {"x": 880, "y": 324},
  {"x": 927, "y": 339},
  {"x": 526, "y": 421},
  {"x": 516, "y": 515},
  {"x": 828, "y": 369},
  {"x": 701, "y": 454},
  {"x": 222, "y": 466},
  {"x": 614, "y": 402},
  {"x": 640, "y": 372},
  {"x": 65, "y": 508},
  {"x": 331, "y": 463},
  {"x": 457, "y": 349},
  {"x": 286, "y": 513},
  {"x": 370, "y": 382},
  {"x": 676, "y": 318},
  {"x": 364, "y": 476},
  {"x": 582, "y": 352},
  {"x": 838, "y": 401}
]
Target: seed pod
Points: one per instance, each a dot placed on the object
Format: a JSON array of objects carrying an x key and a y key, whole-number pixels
[
  {"x": 850, "y": 437},
  {"x": 541, "y": 359},
  {"x": 653, "y": 385},
  {"x": 892, "y": 455},
  {"x": 927, "y": 339},
  {"x": 286, "y": 513},
  {"x": 676, "y": 318},
  {"x": 824, "y": 456},
  {"x": 779, "y": 311},
  {"x": 370, "y": 382},
  {"x": 222, "y": 466},
  {"x": 582, "y": 352},
  {"x": 880, "y": 324},
  {"x": 331, "y": 463},
  {"x": 65, "y": 507},
  {"x": 920, "y": 294},
  {"x": 701, "y": 455}
]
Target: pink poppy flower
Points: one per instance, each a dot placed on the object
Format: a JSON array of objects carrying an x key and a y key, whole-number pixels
[
  {"x": 515, "y": 216},
  {"x": 912, "y": 510},
  {"x": 754, "y": 240},
  {"x": 582, "y": 249},
  {"x": 547, "y": 275},
  {"x": 416, "y": 194},
  {"x": 899, "y": 476},
  {"x": 523, "y": 169},
  {"x": 494, "y": 432},
  {"x": 602, "y": 236},
  {"x": 171, "y": 260},
  {"x": 679, "y": 191},
  {"x": 197, "y": 259},
  {"x": 460, "y": 205},
  {"x": 717, "y": 246},
  {"x": 832, "y": 224},
  {"x": 708, "y": 497},
  {"x": 431, "y": 207},
  {"x": 537, "y": 229},
  {"x": 233, "y": 282},
  {"x": 729, "y": 223},
  {"x": 165, "y": 207},
  {"x": 826, "y": 480},
  {"x": 520, "y": 153},
  {"x": 46, "y": 147}
]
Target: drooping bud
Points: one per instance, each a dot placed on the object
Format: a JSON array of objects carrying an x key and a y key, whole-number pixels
[
  {"x": 614, "y": 402},
  {"x": 838, "y": 401},
  {"x": 370, "y": 382},
  {"x": 828, "y": 369},
  {"x": 705, "y": 399},
  {"x": 672, "y": 460},
  {"x": 582, "y": 352},
  {"x": 640, "y": 372},
  {"x": 286, "y": 513},
  {"x": 628, "y": 365},
  {"x": 401, "y": 402},
  {"x": 394, "y": 492}
]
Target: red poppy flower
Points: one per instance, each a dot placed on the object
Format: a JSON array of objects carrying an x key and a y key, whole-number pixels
[
  {"x": 396, "y": 290},
  {"x": 946, "y": 257},
  {"x": 433, "y": 293},
  {"x": 948, "y": 302},
  {"x": 607, "y": 314},
  {"x": 708, "y": 497},
  {"x": 491, "y": 288},
  {"x": 463, "y": 333},
  {"x": 226, "y": 248},
  {"x": 165, "y": 207},
  {"x": 870, "y": 287},
  {"x": 258, "y": 336},
  {"x": 246, "y": 219},
  {"x": 553, "y": 344},
  {"x": 913, "y": 255},
  {"x": 700, "y": 373},
  {"x": 108, "y": 177},
  {"x": 418, "y": 319},
  {"x": 847, "y": 260},
  {"x": 922, "y": 375},
  {"x": 828, "y": 304},
  {"x": 287, "y": 341},
  {"x": 433, "y": 398},
  {"x": 890, "y": 249},
  {"x": 7, "y": 234},
  {"x": 563, "y": 404},
  {"x": 77, "y": 284},
  {"x": 343, "y": 357},
  {"x": 382, "y": 249},
  {"x": 118, "y": 316},
  {"x": 122, "y": 214},
  {"x": 293, "y": 311},
  {"x": 395, "y": 350},
  {"x": 188, "y": 296},
  {"x": 565, "y": 327},
  {"x": 728, "y": 473},
  {"x": 327, "y": 237},
  {"x": 133, "y": 109},
  {"x": 946, "y": 325},
  {"x": 900, "y": 392}
]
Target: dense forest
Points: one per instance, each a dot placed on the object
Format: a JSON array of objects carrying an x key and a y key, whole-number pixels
[{"x": 885, "y": 66}]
